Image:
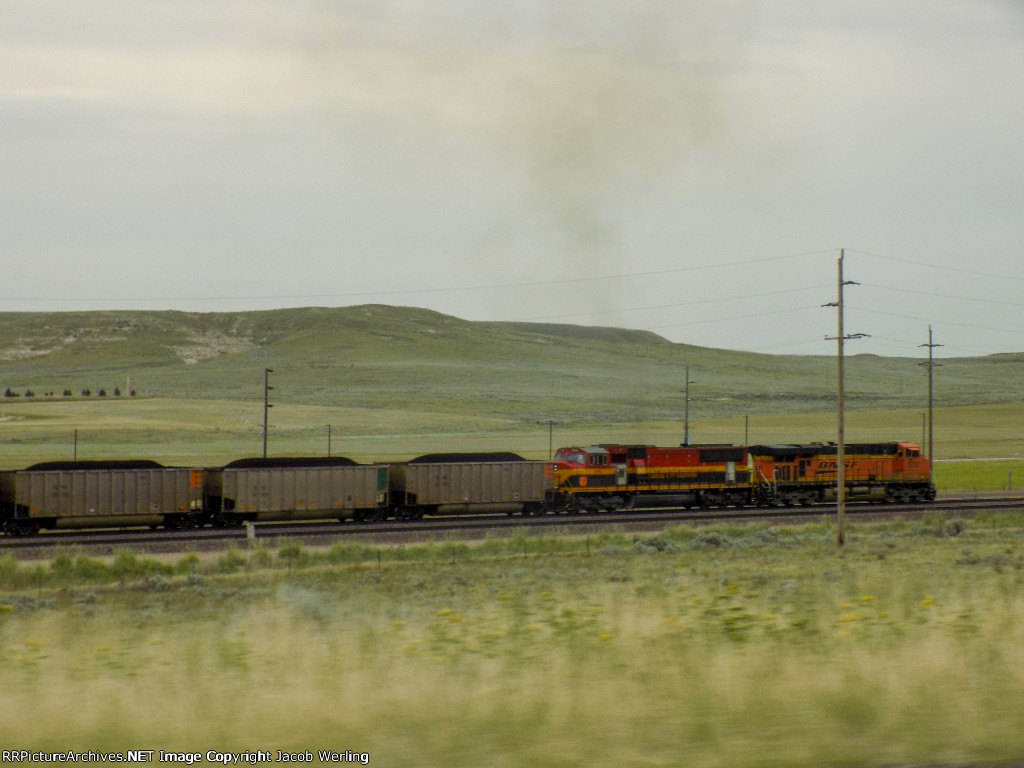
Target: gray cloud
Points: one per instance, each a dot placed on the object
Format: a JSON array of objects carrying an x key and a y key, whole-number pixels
[{"x": 179, "y": 154}]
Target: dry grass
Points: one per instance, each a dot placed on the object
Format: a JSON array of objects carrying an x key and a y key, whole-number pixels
[{"x": 712, "y": 647}]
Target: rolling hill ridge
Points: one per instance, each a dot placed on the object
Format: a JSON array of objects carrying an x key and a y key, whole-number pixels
[{"x": 375, "y": 356}]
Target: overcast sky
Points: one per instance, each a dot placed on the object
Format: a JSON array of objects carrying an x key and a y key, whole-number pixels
[{"x": 691, "y": 168}]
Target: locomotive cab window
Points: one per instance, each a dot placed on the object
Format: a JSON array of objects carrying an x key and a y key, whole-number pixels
[
  {"x": 598, "y": 460},
  {"x": 571, "y": 457}
]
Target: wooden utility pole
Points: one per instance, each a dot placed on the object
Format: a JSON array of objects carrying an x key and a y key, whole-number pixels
[
  {"x": 686, "y": 417},
  {"x": 841, "y": 339},
  {"x": 266, "y": 405},
  {"x": 929, "y": 365}
]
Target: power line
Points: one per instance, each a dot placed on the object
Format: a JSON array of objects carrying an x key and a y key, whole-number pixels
[
  {"x": 960, "y": 270},
  {"x": 420, "y": 291},
  {"x": 944, "y": 322},
  {"x": 730, "y": 319},
  {"x": 944, "y": 295},
  {"x": 668, "y": 306}
]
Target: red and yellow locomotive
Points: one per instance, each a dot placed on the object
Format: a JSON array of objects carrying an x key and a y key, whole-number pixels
[{"x": 610, "y": 477}]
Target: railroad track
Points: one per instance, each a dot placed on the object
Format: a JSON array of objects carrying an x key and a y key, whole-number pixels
[{"x": 325, "y": 533}]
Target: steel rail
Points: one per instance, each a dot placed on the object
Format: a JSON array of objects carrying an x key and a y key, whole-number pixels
[{"x": 319, "y": 533}]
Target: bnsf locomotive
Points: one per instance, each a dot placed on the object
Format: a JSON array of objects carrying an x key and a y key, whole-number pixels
[
  {"x": 806, "y": 474},
  {"x": 603, "y": 477}
]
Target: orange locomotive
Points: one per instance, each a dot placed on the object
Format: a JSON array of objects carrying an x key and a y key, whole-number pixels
[{"x": 806, "y": 474}]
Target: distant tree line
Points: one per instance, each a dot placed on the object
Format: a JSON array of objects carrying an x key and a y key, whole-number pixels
[{"x": 66, "y": 393}]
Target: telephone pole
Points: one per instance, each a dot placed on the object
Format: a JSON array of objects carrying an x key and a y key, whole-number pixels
[
  {"x": 266, "y": 405},
  {"x": 841, "y": 338},
  {"x": 930, "y": 365},
  {"x": 686, "y": 412}
]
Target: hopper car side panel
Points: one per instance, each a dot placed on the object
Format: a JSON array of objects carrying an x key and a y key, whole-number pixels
[
  {"x": 268, "y": 493},
  {"x": 469, "y": 487},
  {"x": 81, "y": 498}
]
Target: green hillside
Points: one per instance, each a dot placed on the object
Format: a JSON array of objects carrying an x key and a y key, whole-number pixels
[{"x": 378, "y": 371}]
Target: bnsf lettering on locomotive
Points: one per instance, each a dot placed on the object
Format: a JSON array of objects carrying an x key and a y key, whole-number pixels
[{"x": 834, "y": 464}]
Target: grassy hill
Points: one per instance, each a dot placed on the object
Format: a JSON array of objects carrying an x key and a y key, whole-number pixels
[{"x": 391, "y": 371}]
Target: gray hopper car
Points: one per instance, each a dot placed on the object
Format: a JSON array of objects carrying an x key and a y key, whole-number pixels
[
  {"x": 100, "y": 494},
  {"x": 295, "y": 489},
  {"x": 469, "y": 484}
]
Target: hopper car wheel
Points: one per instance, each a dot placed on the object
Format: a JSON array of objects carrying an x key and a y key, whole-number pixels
[
  {"x": 367, "y": 516},
  {"x": 21, "y": 527},
  {"x": 410, "y": 513}
]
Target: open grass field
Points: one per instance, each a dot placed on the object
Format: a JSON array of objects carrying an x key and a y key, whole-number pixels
[
  {"x": 395, "y": 370},
  {"x": 213, "y": 432},
  {"x": 705, "y": 647}
]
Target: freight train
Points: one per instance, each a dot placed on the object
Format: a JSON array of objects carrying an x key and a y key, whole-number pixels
[{"x": 605, "y": 477}]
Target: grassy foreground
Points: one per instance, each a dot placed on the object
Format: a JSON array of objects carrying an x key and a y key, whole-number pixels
[{"x": 721, "y": 646}]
